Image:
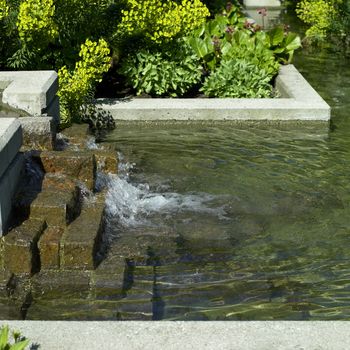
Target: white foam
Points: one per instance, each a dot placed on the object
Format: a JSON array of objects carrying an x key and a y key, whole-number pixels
[{"x": 132, "y": 205}]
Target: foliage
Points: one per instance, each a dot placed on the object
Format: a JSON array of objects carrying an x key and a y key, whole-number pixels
[
  {"x": 172, "y": 71},
  {"x": 4, "y": 9},
  {"x": 97, "y": 118},
  {"x": 319, "y": 14},
  {"x": 283, "y": 44},
  {"x": 77, "y": 86},
  {"x": 35, "y": 22},
  {"x": 238, "y": 77},
  {"x": 216, "y": 6},
  {"x": 19, "y": 342},
  {"x": 163, "y": 20}
]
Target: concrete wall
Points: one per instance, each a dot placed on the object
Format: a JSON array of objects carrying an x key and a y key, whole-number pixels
[
  {"x": 299, "y": 102},
  {"x": 31, "y": 96},
  {"x": 11, "y": 164}
]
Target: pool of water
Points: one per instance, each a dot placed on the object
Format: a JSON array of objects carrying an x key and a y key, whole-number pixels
[{"x": 260, "y": 214}]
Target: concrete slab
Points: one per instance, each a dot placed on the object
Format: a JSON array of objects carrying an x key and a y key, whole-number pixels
[
  {"x": 10, "y": 141},
  {"x": 8, "y": 185},
  {"x": 144, "y": 335},
  {"x": 299, "y": 102},
  {"x": 31, "y": 91},
  {"x": 262, "y": 3}
]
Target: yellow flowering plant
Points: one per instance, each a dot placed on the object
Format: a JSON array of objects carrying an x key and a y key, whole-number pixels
[
  {"x": 162, "y": 21},
  {"x": 77, "y": 86},
  {"x": 35, "y": 22},
  {"x": 319, "y": 14}
]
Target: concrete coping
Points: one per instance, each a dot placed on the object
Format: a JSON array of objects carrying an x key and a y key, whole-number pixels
[
  {"x": 30, "y": 91},
  {"x": 188, "y": 335},
  {"x": 298, "y": 102}
]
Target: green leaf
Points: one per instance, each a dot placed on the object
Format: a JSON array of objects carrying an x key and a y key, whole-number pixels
[
  {"x": 276, "y": 36},
  {"x": 4, "y": 337},
  {"x": 20, "y": 345},
  {"x": 292, "y": 42}
]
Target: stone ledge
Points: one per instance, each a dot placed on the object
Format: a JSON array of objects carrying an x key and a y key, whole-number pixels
[
  {"x": 299, "y": 102},
  {"x": 30, "y": 91},
  {"x": 272, "y": 335}
]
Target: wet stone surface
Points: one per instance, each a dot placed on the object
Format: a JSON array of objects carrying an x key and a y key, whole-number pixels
[{"x": 54, "y": 254}]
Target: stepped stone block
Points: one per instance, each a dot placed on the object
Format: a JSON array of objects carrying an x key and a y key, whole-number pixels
[
  {"x": 80, "y": 165},
  {"x": 21, "y": 254},
  {"x": 82, "y": 239},
  {"x": 58, "y": 208},
  {"x": 49, "y": 247},
  {"x": 56, "y": 284},
  {"x": 39, "y": 133},
  {"x": 58, "y": 182},
  {"x": 108, "y": 278},
  {"x": 106, "y": 161}
]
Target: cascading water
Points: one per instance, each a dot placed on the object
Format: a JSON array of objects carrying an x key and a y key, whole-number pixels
[{"x": 132, "y": 205}]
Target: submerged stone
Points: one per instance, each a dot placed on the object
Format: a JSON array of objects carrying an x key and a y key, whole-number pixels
[{"x": 61, "y": 284}]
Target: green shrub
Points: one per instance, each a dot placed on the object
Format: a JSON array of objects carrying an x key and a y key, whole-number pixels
[
  {"x": 172, "y": 71},
  {"x": 77, "y": 87},
  {"x": 19, "y": 342},
  {"x": 238, "y": 78},
  {"x": 319, "y": 14},
  {"x": 163, "y": 20},
  {"x": 35, "y": 23}
]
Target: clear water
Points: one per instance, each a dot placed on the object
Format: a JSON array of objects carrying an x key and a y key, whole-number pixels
[{"x": 261, "y": 214}]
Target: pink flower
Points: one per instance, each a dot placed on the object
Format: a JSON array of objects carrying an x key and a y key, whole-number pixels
[{"x": 262, "y": 12}]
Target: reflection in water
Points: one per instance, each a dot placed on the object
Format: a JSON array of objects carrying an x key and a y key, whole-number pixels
[
  {"x": 280, "y": 251},
  {"x": 270, "y": 256}
]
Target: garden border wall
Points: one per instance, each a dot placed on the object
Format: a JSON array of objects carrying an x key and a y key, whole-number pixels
[
  {"x": 298, "y": 102},
  {"x": 174, "y": 335}
]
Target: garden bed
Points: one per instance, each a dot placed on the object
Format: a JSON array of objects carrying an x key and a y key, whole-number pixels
[{"x": 299, "y": 101}]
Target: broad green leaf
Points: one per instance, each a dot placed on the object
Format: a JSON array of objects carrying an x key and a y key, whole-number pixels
[
  {"x": 292, "y": 41},
  {"x": 276, "y": 36},
  {"x": 4, "y": 337},
  {"x": 20, "y": 345}
]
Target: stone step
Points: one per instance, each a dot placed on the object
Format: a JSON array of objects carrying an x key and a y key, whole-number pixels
[
  {"x": 57, "y": 207},
  {"x": 20, "y": 247},
  {"x": 49, "y": 248},
  {"x": 79, "y": 165},
  {"x": 83, "y": 238}
]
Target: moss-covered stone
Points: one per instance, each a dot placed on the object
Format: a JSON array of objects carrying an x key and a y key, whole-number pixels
[
  {"x": 61, "y": 284},
  {"x": 49, "y": 247},
  {"x": 21, "y": 253},
  {"x": 108, "y": 280},
  {"x": 80, "y": 165},
  {"x": 60, "y": 182},
  {"x": 106, "y": 161},
  {"x": 82, "y": 239},
  {"x": 58, "y": 208}
]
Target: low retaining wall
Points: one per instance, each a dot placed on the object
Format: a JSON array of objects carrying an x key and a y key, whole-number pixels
[
  {"x": 270, "y": 335},
  {"x": 11, "y": 164},
  {"x": 298, "y": 102},
  {"x": 31, "y": 97}
]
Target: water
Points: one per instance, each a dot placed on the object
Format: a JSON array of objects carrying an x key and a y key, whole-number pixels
[{"x": 260, "y": 214}]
